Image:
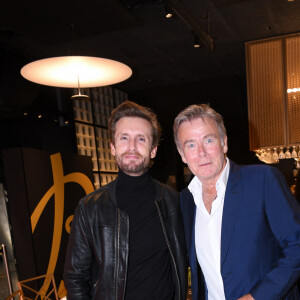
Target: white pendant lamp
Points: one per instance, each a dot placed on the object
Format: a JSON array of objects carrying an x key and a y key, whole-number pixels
[{"x": 76, "y": 72}]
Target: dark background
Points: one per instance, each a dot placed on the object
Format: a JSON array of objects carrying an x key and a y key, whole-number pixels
[{"x": 168, "y": 72}]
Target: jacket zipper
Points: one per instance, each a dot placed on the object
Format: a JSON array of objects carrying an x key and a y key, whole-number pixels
[{"x": 170, "y": 250}]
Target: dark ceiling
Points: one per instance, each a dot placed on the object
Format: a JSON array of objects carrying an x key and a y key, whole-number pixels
[
  {"x": 160, "y": 51},
  {"x": 168, "y": 72}
]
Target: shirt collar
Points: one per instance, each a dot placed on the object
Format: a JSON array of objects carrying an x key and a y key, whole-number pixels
[
  {"x": 195, "y": 185},
  {"x": 224, "y": 175}
]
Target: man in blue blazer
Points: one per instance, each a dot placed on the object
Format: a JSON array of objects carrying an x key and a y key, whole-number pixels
[{"x": 242, "y": 224}]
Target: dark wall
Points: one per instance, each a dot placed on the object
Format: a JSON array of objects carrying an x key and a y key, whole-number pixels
[{"x": 53, "y": 131}]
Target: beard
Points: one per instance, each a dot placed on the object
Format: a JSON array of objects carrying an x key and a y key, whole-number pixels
[{"x": 133, "y": 167}]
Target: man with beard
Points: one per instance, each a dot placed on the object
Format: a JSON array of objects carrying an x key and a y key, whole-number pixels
[{"x": 127, "y": 239}]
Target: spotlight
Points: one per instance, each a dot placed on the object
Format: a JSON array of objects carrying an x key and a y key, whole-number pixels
[
  {"x": 168, "y": 12},
  {"x": 196, "y": 42}
]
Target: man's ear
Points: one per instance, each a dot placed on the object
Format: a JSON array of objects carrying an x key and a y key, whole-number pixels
[
  {"x": 182, "y": 155},
  {"x": 112, "y": 149},
  {"x": 153, "y": 152},
  {"x": 225, "y": 147}
]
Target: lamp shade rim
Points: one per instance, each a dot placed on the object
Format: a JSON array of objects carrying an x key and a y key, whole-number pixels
[{"x": 76, "y": 71}]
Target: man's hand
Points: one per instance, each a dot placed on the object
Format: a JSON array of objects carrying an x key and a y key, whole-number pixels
[{"x": 246, "y": 297}]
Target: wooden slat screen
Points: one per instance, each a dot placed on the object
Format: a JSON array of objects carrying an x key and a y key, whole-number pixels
[
  {"x": 265, "y": 79},
  {"x": 293, "y": 81}
]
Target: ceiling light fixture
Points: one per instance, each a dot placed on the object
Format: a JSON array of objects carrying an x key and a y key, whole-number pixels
[
  {"x": 168, "y": 12},
  {"x": 192, "y": 23},
  {"x": 76, "y": 72},
  {"x": 196, "y": 42}
]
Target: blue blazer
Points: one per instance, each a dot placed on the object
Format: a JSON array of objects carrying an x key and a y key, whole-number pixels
[{"x": 260, "y": 239}]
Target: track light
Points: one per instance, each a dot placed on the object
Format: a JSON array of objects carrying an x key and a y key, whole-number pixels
[
  {"x": 196, "y": 42},
  {"x": 168, "y": 12}
]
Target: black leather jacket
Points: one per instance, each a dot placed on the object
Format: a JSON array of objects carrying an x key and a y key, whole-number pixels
[{"x": 97, "y": 255}]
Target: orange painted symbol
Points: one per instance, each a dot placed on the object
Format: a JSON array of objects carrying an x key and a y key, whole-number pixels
[{"x": 59, "y": 181}]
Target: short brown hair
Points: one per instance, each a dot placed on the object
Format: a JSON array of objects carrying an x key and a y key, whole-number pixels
[
  {"x": 131, "y": 109},
  {"x": 198, "y": 111}
]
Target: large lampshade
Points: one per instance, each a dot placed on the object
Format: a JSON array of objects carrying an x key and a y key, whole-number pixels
[{"x": 76, "y": 71}]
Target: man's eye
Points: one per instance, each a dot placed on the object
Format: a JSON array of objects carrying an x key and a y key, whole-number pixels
[
  {"x": 208, "y": 141},
  {"x": 191, "y": 145},
  {"x": 141, "y": 139},
  {"x": 123, "y": 137}
]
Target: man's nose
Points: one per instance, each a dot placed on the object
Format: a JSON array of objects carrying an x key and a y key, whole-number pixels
[
  {"x": 132, "y": 145},
  {"x": 201, "y": 151}
]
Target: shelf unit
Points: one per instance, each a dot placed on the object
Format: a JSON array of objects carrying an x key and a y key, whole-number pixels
[{"x": 91, "y": 121}]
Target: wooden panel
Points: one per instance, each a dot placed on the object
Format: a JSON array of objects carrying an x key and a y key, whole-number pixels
[
  {"x": 265, "y": 80},
  {"x": 293, "y": 81}
]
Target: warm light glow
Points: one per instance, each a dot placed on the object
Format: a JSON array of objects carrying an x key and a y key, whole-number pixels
[
  {"x": 65, "y": 71},
  {"x": 294, "y": 90}
]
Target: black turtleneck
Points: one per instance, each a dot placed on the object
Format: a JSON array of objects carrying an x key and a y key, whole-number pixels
[{"x": 149, "y": 270}]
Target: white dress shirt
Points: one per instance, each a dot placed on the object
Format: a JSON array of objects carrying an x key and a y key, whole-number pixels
[{"x": 208, "y": 234}]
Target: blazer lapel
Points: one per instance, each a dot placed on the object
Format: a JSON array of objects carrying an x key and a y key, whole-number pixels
[
  {"x": 189, "y": 213},
  {"x": 192, "y": 244},
  {"x": 232, "y": 201},
  {"x": 189, "y": 216}
]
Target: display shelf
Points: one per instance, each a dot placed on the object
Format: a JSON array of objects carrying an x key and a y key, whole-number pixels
[{"x": 91, "y": 121}]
